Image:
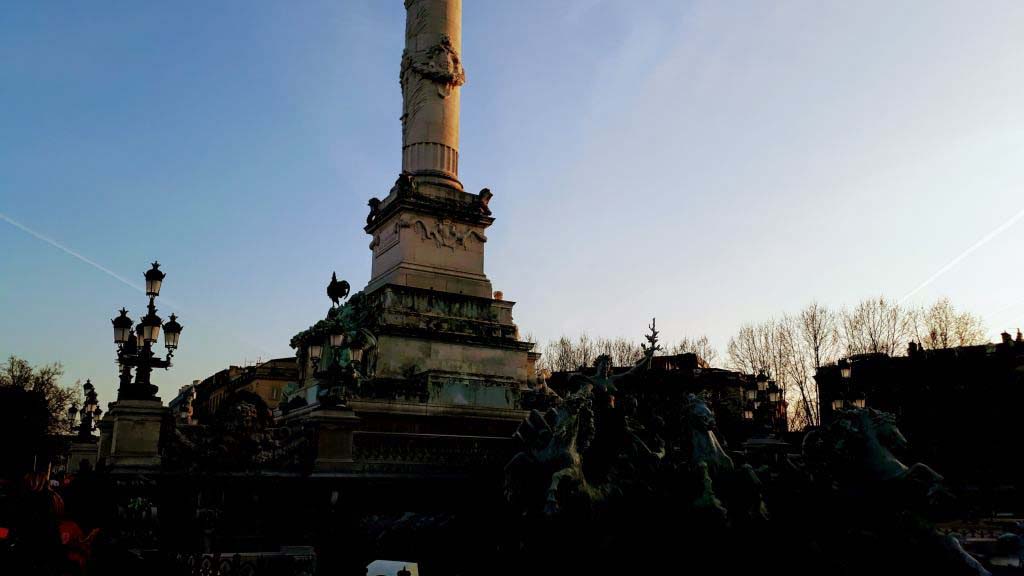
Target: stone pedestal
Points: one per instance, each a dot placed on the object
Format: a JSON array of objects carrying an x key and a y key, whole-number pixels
[
  {"x": 464, "y": 349},
  {"x": 106, "y": 426},
  {"x": 430, "y": 236},
  {"x": 332, "y": 430},
  {"x": 135, "y": 435},
  {"x": 87, "y": 451}
]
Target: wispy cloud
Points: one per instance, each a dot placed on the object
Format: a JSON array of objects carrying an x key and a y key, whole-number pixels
[
  {"x": 67, "y": 250},
  {"x": 983, "y": 241}
]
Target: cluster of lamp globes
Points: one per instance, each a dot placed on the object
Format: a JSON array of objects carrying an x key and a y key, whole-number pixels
[
  {"x": 147, "y": 331},
  {"x": 848, "y": 399},
  {"x": 336, "y": 340},
  {"x": 765, "y": 390},
  {"x": 90, "y": 411}
]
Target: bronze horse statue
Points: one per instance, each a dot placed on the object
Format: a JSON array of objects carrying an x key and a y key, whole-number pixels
[
  {"x": 858, "y": 449},
  {"x": 553, "y": 444},
  {"x": 855, "y": 459}
]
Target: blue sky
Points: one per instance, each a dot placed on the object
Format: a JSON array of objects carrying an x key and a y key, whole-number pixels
[{"x": 708, "y": 163}]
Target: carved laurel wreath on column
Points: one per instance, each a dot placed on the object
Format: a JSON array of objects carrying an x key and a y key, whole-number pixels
[{"x": 440, "y": 64}]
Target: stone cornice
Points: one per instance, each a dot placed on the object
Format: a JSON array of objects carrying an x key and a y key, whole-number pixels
[
  {"x": 460, "y": 207},
  {"x": 399, "y": 289},
  {"x": 455, "y": 337}
]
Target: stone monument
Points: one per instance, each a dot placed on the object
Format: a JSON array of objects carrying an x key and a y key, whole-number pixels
[{"x": 435, "y": 316}]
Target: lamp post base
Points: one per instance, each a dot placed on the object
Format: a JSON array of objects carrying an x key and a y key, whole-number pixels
[{"x": 135, "y": 434}]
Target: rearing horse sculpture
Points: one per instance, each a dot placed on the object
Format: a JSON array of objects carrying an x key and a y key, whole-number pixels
[
  {"x": 858, "y": 447},
  {"x": 553, "y": 444}
]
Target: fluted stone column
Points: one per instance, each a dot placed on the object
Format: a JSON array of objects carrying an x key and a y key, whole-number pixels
[{"x": 431, "y": 75}]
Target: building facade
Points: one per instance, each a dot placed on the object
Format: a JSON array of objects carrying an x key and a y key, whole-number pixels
[
  {"x": 269, "y": 380},
  {"x": 957, "y": 407}
]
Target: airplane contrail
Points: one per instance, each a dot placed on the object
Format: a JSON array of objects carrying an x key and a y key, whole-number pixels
[
  {"x": 67, "y": 250},
  {"x": 984, "y": 240},
  {"x": 106, "y": 270}
]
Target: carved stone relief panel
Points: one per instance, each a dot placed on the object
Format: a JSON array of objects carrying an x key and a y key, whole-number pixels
[{"x": 447, "y": 234}]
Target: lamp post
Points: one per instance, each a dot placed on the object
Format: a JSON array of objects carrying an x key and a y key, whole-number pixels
[
  {"x": 137, "y": 352},
  {"x": 748, "y": 391},
  {"x": 89, "y": 413},
  {"x": 762, "y": 382},
  {"x": 846, "y": 396},
  {"x": 762, "y": 389},
  {"x": 72, "y": 417},
  {"x": 775, "y": 405},
  {"x": 762, "y": 401},
  {"x": 321, "y": 350},
  {"x": 341, "y": 378}
]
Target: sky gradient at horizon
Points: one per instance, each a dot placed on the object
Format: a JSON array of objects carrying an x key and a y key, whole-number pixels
[{"x": 707, "y": 163}]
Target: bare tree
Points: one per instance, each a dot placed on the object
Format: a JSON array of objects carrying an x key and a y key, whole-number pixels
[
  {"x": 789, "y": 350},
  {"x": 819, "y": 332},
  {"x": 565, "y": 354},
  {"x": 707, "y": 355},
  {"x": 623, "y": 352},
  {"x": 745, "y": 351},
  {"x": 820, "y": 344},
  {"x": 561, "y": 355},
  {"x": 876, "y": 325},
  {"x": 942, "y": 326}
]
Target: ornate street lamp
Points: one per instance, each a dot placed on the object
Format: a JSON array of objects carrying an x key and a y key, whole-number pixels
[
  {"x": 847, "y": 397},
  {"x": 845, "y": 369},
  {"x": 762, "y": 382},
  {"x": 356, "y": 354},
  {"x": 314, "y": 352},
  {"x": 359, "y": 344},
  {"x": 154, "y": 278},
  {"x": 89, "y": 413},
  {"x": 151, "y": 324},
  {"x": 340, "y": 378},
  {"x": 749, "y": 390},
  {"x": 172, "y": 330},
  {"x": 320, "y": 350},
  {"x": 122, "y": 327},
  {"x": 337, "y": 339},
  {"x": 72, "y": 416},
  {"x": 137, "y": 352},
  {"x": 90, "y": 397}
]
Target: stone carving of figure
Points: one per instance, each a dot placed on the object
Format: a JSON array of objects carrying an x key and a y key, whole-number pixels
[
  {"x": 405, "y": 186},
  {"x": 483, "y": 199},
  {"x": 374, "y": 205}
]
